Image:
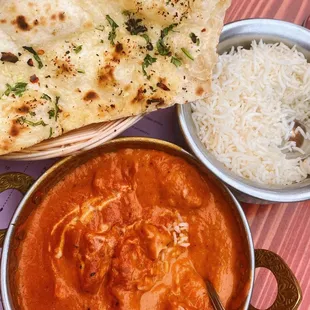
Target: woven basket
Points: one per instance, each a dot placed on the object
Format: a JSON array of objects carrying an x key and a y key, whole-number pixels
[{"x": 74, "y": 141}]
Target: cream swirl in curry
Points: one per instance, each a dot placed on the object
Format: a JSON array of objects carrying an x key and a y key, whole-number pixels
[{"x": 134, "y": 229}]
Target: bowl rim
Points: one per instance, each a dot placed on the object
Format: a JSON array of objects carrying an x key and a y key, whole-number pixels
[
  {"x": 119, "y": 143},
  {"x": 261, "y": 20},
  {"x": 253, "y": 189}
]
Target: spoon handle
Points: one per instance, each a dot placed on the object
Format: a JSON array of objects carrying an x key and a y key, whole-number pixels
[{"x": 214, "y": 297}]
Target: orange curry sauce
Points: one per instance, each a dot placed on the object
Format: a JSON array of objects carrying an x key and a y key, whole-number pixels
[{"x": 134, "y": 229}]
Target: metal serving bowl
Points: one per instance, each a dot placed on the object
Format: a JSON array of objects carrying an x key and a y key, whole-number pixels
[
  {"x": 242, "y": 33},
  {"x": 289, "y": 294}
]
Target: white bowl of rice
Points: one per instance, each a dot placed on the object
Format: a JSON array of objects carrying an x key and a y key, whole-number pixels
[{"x": 260, "y": 86}]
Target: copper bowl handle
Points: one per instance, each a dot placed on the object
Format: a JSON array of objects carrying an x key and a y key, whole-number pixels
[
  {"x": 14, "y": 180},
  {"x": 289, "y": 292}
]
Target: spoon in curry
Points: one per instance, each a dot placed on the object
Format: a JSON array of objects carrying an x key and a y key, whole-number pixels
[{"x": 214, "y": 297}]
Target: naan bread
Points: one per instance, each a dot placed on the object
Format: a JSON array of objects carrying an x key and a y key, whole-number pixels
[{"x": 69, "y": 63}]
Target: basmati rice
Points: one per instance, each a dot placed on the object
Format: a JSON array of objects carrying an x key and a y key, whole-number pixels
[
  {"x": 257, "y": 95},
  {"x": 179, "y": 232}
]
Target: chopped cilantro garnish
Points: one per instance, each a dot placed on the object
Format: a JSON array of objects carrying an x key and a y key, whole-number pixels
[
  {"x": 77, "y": 49},
  {"x": 186, "y": 52},
  {"x": 18, "y": 89},
  {"x": 162, "y": 48},
  {"x": 112, "y": 23},
  {"x": 176, "y": 61},
  {"x": 149, "y": 44},
  {"x": 32, "y": 113},
  {"x": 148, "y": 60},
  {"x": 46, "y": 97},
  {"x": 134, "y": 26},
  {"x": 51, "y": 113},
  {"x": 126, "y": 13},
  {"x": 80, "y": 71},
  {"x": 194, "y": 38},
  {"x": 22, "y": 120},
  {"x": 51, "y": 132},
  {"x": 146, "y": 37},
  {"x": 8, "y": 89},
  {"x": 112, "y": 33},
  {"x": 56, "y": 107},
  {"x": 166, "y": 30},
  {"x": 35, "y": 55},
  {"x": 54, "y": 112}
]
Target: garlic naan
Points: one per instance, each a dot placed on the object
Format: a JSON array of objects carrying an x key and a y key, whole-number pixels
[{"x": 68, "y": 63}]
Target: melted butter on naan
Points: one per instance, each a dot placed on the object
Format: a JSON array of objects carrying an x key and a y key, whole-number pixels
[{"x": 85, "y": 78}]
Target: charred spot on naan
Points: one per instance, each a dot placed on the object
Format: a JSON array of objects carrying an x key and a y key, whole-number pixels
[
  {"x": 30, "y": 62},
  {"x": 106, "y": 76},
  {"x": 3, "y": 21},
  {"x": 15, "y": 129},
  {"x": 8, "y": 57},
  {"x": 199, "y": 91},
  {"x": 119, "y": 48},
  {"x": 34, "y": 79},
  {"x": 23, "y": 109},
  {"x": 62, "y": 16},
  {"x": 118, "y": 52},
  {"x": 27, "y": 104},
  {"x": 159, "y": 102},
  {"x": 64, "y": 67},
  {"x": 21, "y": 23},
  {"x": 90, "y": 96},
  {"x": 162, "y": 83},
  {"x": 139, "y": 96}
]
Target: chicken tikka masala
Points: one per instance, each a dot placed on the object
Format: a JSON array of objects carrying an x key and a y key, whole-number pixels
[{"x": 131, "y": 229}]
